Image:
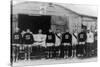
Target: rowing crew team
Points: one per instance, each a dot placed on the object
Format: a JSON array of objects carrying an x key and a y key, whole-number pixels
[{"x": 56, "y": 44}]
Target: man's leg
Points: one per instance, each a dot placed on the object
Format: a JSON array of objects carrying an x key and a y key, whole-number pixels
[
  {"x": 11, "y": 54},
  {"x": 61, "y": 51},
  {"x": 77, "y": 49},
  {"x": 27, "y": 48},
  {"x": 14, "y": 52},
  {"x": 52, "y": 50},
  {"x": 73, "y": 50},
  {"x": 52, "y": 53},
  {"x": 57, "y": 50},
  {"x": 81, "y": 49},
  {"x": 30, "y": 50},
  {"x": 69, "y": 51},
  {"x": 65, "y": 51},
  {"x": 49, "y": 52},
  {"x": 84, "y": 54},
  {"x": 85, "y": 49},
  {"x": 90, "y": 49},
  {"x": 17, "y": 50}
]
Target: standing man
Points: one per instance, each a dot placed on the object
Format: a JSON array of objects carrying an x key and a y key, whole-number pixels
[
  {"x": 50, "y": 41},
  {"x": 90, "y": 41},
  {"x": 43, "y": 45},
  {"x": 28, "y": 40},
  {"x": 16, "y": 43},
  {"x": 95, "y": 42},
  {"x": 67, "y": 43},
  {"x": 39, "y": 44},
  {"x": 57, "y": 44},
  {"x": 81, "y": 42},
  {"x": 74, "y": 43}
]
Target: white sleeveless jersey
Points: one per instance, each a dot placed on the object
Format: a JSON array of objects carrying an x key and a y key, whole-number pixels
[
  {"x": 43, "y": 37},
  {"x": 90, "y": 37},
  {"x": 40, "y": 38},
  {"x": 74, "y": 40},
  {"x": 49, "y": 44},
  {"x": 58, "y": 40}
]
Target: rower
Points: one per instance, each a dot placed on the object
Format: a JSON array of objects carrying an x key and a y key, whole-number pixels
[
  {"x": 67, "y": 43},
  {"x": 81, "y": 42},
  {"x": 16, "y": 43},
  {"x": 50, "y": 41},
  {"x": 28, "y": 40}
]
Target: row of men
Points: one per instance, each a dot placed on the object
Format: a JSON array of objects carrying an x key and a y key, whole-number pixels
[
  {"x": 66, "y": 43},
  {"x": 27, "y": 37}
]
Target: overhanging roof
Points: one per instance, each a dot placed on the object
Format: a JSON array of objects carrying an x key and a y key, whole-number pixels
[
  {"x": 88, "y": 10},
  {"x": 85, "y": 10}
]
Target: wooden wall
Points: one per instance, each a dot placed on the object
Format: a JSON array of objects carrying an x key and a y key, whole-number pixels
[{"x": 72, "y": 20}]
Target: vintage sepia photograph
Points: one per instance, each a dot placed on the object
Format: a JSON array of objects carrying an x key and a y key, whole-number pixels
[{"x": 52, "y": 33}]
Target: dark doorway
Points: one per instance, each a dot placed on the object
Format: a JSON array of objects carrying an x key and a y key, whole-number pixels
[{"x": 34, "y": 23}]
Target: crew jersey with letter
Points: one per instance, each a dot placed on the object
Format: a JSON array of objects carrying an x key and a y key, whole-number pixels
[
  {"x": 17, "y": 38},
  {"x": 28, "y": 38},
  {"x": 66, "y": 38},
  {"x": 90, "y": 37},
  {"x": 50, "y": 38},
  {"x": 40, "y": 39},
  {"x": 82, "y": 37}
]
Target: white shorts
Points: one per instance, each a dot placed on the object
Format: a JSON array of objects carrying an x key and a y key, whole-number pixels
[
  {"x": 66, "y": 44},
  {"x": 49, "y": 44},
  {"x": 81, "y": 42}
]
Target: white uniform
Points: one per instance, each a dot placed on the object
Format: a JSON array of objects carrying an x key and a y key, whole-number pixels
[
  {"x": 74, "y": 40},
  {"x": 49, "y": 44},
  {"x": 58, "y": 40},
  {"x": 90, "y": 37},
  {"x": 40, "y": 38}
]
